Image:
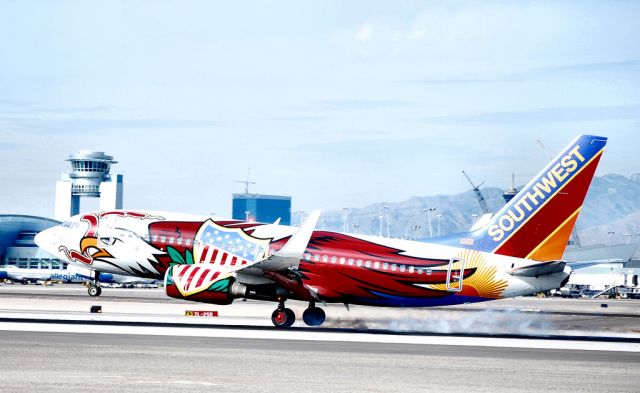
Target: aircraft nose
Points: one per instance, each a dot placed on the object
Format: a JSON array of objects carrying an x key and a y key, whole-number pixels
[{"x": 47, "y": 240}]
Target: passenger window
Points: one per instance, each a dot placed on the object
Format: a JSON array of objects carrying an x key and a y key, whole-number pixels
[
  {"x": 334, "y": 259},
  {"x": 163, "y": 239},
  {"x": 171, "y": 240},
  {"x": 307, "y": 256},
  {"x": 325, "y": 258},
  {"x": 367, "y": 264},
  {"x": 402, "y": 268},
  {"x": 410, "y": 269},
  {"x": 429, "y": 272},
  {"x": 385, "y": 266},
  {"x": 350, "y": 262},
  {"x": 393, "y": 267},
  {"x": 376, "y": 265},
  {"x": 419, "y": 270},
  {"x": 187, "y": 242},
  {"x": 179, "y": 241},
  {"x": 342, "y": 259},
  {"x": 316, "y": 257},
  {"x": 154, "y": 238},
  {"x": 359, "y": 262}
]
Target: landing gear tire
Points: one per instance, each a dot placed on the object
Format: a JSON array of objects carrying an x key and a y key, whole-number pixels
[
  {"x": 283, "y": 317},
  {"x": 314, "y": 316},
  {"x": 94, "y": 290}
]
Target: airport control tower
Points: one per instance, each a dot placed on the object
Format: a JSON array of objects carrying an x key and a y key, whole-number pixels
[{"x": 89, "y": 177}]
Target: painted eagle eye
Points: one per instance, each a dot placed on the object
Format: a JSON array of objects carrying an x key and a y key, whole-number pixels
[{"x": 108, "y": 241}]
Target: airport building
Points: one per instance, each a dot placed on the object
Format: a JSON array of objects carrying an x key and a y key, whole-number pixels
[
  {"x": 17, "y": 248},
  {"x": 90, "y": 177},
  {"x": 262, "y": 208}
]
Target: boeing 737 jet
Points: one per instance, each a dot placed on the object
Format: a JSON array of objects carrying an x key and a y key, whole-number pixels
[{"x": 216, "y": 260}]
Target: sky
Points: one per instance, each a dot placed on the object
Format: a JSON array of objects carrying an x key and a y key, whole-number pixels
[{"x": 336, "y": 103}]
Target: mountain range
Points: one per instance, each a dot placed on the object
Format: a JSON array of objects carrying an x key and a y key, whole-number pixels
[{"x": 610, "y": 214}]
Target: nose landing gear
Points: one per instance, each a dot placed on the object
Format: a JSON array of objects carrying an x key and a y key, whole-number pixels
[{"x": 94, "y": 287}]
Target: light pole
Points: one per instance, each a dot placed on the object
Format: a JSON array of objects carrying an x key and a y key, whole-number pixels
[
  {"x": 429, "y": 211},
  {"x": 301, "y": 217},
  {"x": 380, "y": 225},
  {"x": 438, "y": 217},
  {"x": 345, "y": 219},
  {"x": 246, "y": 215},
  {"x": 386, "y": 214},
  {"x": 355, "y": 228}
]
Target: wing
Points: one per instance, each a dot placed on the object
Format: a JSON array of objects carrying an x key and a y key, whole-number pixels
[{"x": 220, "y": 253}]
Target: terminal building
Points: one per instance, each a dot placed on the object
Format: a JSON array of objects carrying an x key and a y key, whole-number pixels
[{"x": 262, "y": 208}]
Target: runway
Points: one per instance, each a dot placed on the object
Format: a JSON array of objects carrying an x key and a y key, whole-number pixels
[
  {"x": 56, "y": 362},
  {"x": 143, "y": 342}
]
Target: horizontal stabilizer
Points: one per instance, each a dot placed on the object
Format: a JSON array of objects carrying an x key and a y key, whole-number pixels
[{"x": 539, "y": 269}]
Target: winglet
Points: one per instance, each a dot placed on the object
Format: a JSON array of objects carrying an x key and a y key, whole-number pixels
[{"x": 298, "y": 242}]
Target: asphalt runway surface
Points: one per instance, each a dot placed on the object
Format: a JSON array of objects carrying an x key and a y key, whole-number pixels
[
  {"x": 56, "y": 362},
  {"x": 527, "y": 315},
  {"x": 153, "y": 347}
]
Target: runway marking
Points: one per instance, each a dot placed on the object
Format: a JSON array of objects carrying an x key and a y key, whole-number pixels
[{"x": 326, "y": 336}]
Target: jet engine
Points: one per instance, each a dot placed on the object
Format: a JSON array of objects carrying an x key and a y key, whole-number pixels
[{"x": 201, "y": 284}]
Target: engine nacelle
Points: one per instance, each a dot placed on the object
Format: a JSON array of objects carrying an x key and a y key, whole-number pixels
[
  {"x": 184, "y": 282},
  {"x": 218, "y": 292}
]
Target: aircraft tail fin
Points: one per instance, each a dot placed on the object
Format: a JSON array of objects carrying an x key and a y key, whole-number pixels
[{"x": 537, "y": 222}]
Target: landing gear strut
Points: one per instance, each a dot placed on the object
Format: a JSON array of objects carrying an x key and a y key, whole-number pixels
[
  {"x": 94, "y": 287},
  {"x": 313, "y": 316},
  {"x": 283, "y": 317}
]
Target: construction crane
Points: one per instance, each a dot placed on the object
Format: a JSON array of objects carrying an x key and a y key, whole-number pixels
[
  {"x": 483, "y": 203},
  {"x": 246, "y": 182}
]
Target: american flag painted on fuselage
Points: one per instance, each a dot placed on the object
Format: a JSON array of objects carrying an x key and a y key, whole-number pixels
[
  {"x": 227, "y": 247},
  {"x": 191, "y": 279}
]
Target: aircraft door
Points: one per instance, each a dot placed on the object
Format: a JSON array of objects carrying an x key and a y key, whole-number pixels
[{"x": 455, "y": 274}]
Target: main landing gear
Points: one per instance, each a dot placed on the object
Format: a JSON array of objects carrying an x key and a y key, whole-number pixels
[
  {"x": 313, "y": 316},
  {"x": 94, "y": 287},
  {"x": 284, "y": 317}
]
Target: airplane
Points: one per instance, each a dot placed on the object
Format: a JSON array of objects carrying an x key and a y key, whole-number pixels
[
  {"x": 216, "y": 260},
  {"x": 71, "y": 275}
]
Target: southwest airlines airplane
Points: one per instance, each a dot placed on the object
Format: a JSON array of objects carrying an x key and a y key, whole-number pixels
[{"x": 216, "y": 260}]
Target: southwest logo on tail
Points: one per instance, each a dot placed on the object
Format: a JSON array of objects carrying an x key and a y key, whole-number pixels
[{"x": 537, "y": 222}]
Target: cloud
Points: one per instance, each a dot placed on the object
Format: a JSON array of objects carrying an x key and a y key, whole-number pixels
[
  {"x": 364, "y": 33},
  {"x": 4, "y": 146},
  {"x": 88, "y": 125},
  {"x": 588, "y": 67},
  {"x": 546, "y": 115},
  {"x": 462, "y": 80},
  {"x": 360, "y": 104},
  {"x": 28, "y": 109}
]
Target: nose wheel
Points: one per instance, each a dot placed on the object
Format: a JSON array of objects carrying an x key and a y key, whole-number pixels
[
  {"x": 94, "y": 290},
  {"x": 94, "y": 287},
  {"x": 313, "y": 316}
]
